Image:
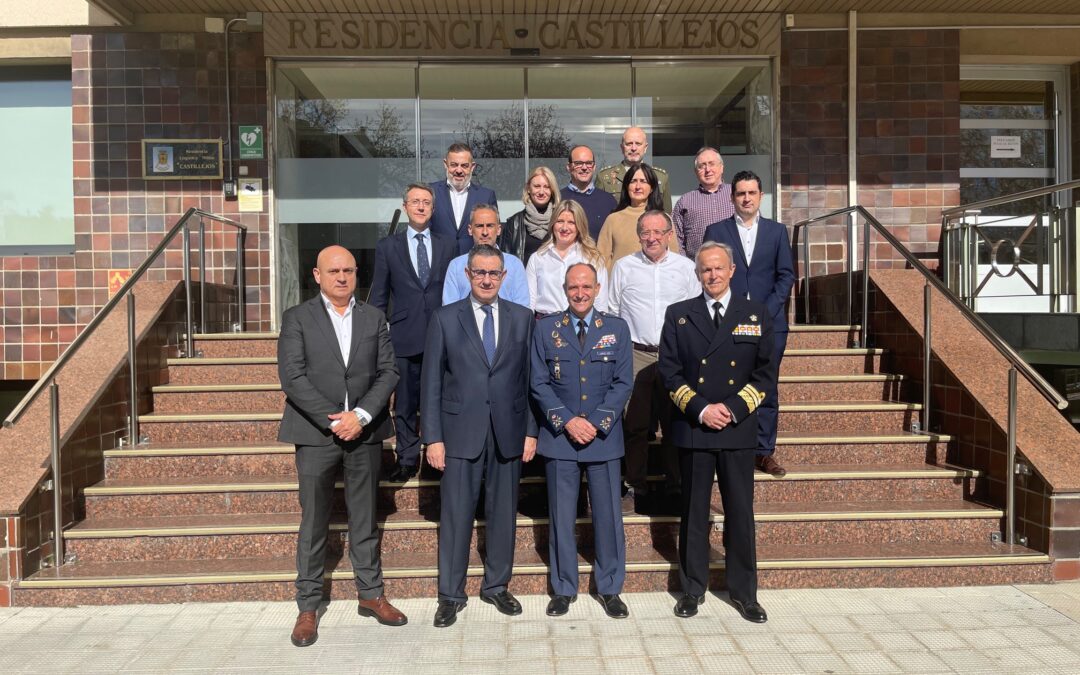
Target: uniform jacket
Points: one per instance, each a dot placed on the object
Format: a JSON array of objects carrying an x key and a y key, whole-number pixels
[
  {"x": 610, "y": 179},
  {"x": 442, "y": 215},
  {"x": 701, "y": 364},
  {"x": 315, "y": 378},
  {"x": 461, "y": 397},
  {"x": 594, "y": 383},
  {"x": 770, "y": 274},
  {"x": 395, "y": 286}
]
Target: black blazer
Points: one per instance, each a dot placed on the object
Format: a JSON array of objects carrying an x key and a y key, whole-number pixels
[
  {"x": 396, "y": 290},
  {"x": 701, "y": 364},
  {"x": 461, "y": 396},
  {"x": 314, "y": 377},
  {"x": 442, "y": 215}
]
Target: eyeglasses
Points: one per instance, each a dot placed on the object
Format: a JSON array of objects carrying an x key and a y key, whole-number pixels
[
  {"x": 419, "y": 202},
  {"x": 494, "y": 274},
  {"x": 583, "y": 165},
  {"x": 653, "y": 234}
]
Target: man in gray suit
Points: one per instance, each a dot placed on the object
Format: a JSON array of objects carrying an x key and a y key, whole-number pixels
[
  {"x": 336, "y": 367},
  {"x": 479, "y": 427}
]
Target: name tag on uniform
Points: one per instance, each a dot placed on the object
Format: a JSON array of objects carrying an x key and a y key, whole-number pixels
[
  {"x": 606, "y": 341},
  {"x": 747, "y": 329}
]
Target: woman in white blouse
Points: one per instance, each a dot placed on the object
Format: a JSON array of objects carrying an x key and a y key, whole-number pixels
[{"x": 567, "y": 243}]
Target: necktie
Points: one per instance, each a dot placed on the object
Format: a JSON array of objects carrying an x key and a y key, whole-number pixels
[
  {"x": 423, "y": 266},
  {"x": 718, "y": 314},
  {"x": 489, "y": 333},
  {"x": 581, "y": 332}
]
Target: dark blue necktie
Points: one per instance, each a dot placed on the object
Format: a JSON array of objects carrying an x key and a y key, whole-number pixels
[
  {"x": 423, "y": 266},
  {"x": 489, "y": 333}
]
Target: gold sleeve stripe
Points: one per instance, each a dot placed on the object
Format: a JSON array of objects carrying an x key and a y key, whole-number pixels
[
  {"x": 681, "y": 396},
  {"x": 752, "y": 397}
]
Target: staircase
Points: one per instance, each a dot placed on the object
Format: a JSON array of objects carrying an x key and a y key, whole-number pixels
[{"x": 208, "y": 510}]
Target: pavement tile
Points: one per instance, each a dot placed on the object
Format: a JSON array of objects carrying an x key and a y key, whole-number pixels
[
  {"x": 851, "y": 642},
  {"x": 918, "y": 662},
  {"x": 622, "y": 647},
  {"x": 666, "y": 646},
  {"x": 832, "y": 624},
  {"x": 984, "y": 638},
  {"x": 939, "y": 639},
  {"x": 750, "y": 644},
  {"x": 628, "y": 666},
  {"x": 966, "y": 660},
  {"x": 724, "y": 663},
  {"x": 713, "y": 644},
  {"x": 870, "y": 662},
  {"x": 822, "y": 663},
  {"x": 803, "y": 643},
  {"x": 676, "y": 665},
  {"x": 578, "y": 666},
  {"x": 773, "y": 663},
  {"x": 1058, "y": 655},
  {"x": 898, "y": 641},
  {"x": 576, "y": 648}
]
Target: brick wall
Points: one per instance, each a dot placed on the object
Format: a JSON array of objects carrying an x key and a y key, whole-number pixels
[
  {"x": 126, "y": 87},
  {"x": 908, "y": 164}
]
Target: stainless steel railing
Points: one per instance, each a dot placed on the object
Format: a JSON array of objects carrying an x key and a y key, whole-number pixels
[
  {"x": 930, "y": 283},
  {"x": 1049, "y": 234},
  {"x": 127, "y": 294}
]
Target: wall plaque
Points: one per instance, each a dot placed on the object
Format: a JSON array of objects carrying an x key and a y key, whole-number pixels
[{"x": 181, "y": 158}]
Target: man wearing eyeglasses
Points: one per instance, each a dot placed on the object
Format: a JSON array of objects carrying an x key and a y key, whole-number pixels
[
  {"x": 336, "y": 367},
  {"x": 634, "y": 146},
  {"x": 709, "y": 203},
  {"x": 597, "y": 204},
  {"x": 642, "y": 286},
  {"x": 478, "y": 427},
  {"x": 456, "y": 197},
  {"x": 484, "y": 226},
  {"x": 410, "y": 267}
]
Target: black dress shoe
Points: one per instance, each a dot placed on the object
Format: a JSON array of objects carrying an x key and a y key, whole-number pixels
[
  {"x": 400, "y": 474},
  {"x": 504, "y": 602},
  {"x": 447, "y": 613},
  {"x": 560, "y": 604},
  {"x": 751, "y": 611},
  {"x": 687, "y": 606},
  {"x": 614, "y": 606}
]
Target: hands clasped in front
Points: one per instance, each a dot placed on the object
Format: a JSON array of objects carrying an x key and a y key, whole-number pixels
[
  {"x": 346, "y": 425},
  {"x": 716, "y": 416}
]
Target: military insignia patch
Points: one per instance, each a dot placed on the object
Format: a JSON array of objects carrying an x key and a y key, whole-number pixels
[
  {"x": 565, "y": 320},
  {"x": 559, "y": 342},
  {"x": 608, "y": 340},
  {"x": 605, "y": 423},
  {"x": 556, "y": 420},
  {"x": 682, "y": 320},
  {"x": 751, "y": 329},
  {"x": 753, "y": 317},
  {"x": 599, "y": 322}
]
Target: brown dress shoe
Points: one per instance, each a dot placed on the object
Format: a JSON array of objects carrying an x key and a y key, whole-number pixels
[
  {"x": 306, "y": 630},
  {"x": 383, "y": 612},
  {"x": 770, "y": 466}
]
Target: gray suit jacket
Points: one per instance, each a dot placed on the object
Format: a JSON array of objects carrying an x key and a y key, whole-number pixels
[{"x": 314, "y": 377}]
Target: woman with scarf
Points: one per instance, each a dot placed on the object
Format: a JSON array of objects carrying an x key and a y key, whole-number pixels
[{"x": 525, "y": 230}]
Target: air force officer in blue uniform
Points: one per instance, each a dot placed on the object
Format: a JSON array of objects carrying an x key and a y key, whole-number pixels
[
  {"x": 582, "y": 375},
  {"x": 478, "y": 427}
]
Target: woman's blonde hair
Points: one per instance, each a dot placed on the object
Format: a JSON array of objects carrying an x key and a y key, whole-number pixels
[
  {"x": 552, "y": 182},
  {"x": 588, "y": 247}
]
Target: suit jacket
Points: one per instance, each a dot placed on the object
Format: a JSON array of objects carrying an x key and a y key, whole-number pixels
[
  {"x": 396, "y": 286},
  {"x": 701, "y": 364},
  {"x": 594, "y": 383},
  {"x": 442, "y": 217},
  {"x": 461, "y": 397},
  {"x": 769, "y": 276},
  {"x": 315, "y": 378}
]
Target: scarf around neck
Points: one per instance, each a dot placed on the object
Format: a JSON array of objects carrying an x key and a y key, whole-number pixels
[{"x": 536, "y": 222}]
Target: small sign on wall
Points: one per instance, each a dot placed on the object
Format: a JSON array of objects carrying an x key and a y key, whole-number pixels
[
  {"x": 179, "y": 158},
  {"x": 117, "y": 279},
  {"x": 249, "y": 195},
  {"x": 1005, "y": 147},
  {"x": 251, "y": 141}
]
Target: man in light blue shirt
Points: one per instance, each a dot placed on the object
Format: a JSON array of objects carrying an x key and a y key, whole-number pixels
[{"x": 484, "y": 227}]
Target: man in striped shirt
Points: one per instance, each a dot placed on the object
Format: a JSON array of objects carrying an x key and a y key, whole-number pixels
[{"x": 709, "y": 203}]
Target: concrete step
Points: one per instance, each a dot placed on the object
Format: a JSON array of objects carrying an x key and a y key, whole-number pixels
[
  {"x": 217, "y": 345},
  {"x": 278, "y": 459},
  {"x": 833, "y": 565},
  {"x": 225, "y": 536},
  {"x": 262, "y": 427},
  {"x": 196, "y": 495}
]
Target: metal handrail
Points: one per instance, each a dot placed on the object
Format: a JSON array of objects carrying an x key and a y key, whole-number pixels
[
  {"x": 980, "y": 325},
  {"x": 1008, "y": 199},
  {"x": 181, "y": 224}
]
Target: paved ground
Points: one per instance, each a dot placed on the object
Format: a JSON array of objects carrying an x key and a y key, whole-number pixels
[{"x": 1005, "y": 629}]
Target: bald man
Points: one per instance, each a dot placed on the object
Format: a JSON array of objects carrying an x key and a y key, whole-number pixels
[
  {"x": 336, "y": 367},
  {"x": 634, "y": 146}
]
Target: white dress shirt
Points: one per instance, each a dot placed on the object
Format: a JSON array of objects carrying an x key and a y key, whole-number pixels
[
  {"x": 641, "y": 291},
  {"x": 725, "y": 304},
  {"x": 480, "y": 316},
  {"x": 410, "y": 237},
  {"x": 342, "y": 324},
  {"x": 457, "y": 200},
  {"x": 748, "y": 235},
  {"x": 546, "y": 272}
]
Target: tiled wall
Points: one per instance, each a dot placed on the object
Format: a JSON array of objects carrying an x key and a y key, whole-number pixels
[
  {"x": 126, "y": 87},
  {"x": 908, "y": 164}
]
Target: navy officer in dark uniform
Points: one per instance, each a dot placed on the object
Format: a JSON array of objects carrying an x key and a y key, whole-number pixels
[
  {"x": 717, "y": 363},
  {"x": 582, "y": 375}
]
